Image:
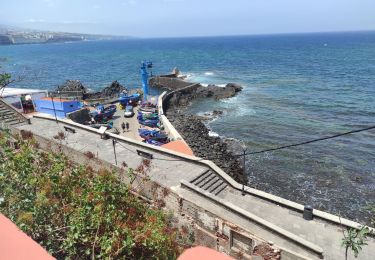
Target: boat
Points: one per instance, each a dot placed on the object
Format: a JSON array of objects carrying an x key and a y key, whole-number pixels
[
  {"x": 148, "y": 104},
  {"x": 148, "y": 108},
  {"x": 149, "y": 122},
  {"x": 154, "y": 135},
  {"x": 124, "y": 99},
  {"x": 153, "y": 142},
  {"x": 102, "y": 113},
  {"x": 145, "y": 116},
  {"x": 143, "y": 131},
  {"x": 97, "y": 126}
]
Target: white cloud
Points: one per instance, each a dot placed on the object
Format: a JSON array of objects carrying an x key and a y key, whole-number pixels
[
  {"x": 96, "y": 7},
  {"x": 50, "y": 3},
  {"x": 129, "y": 2},
  {"x": 73, "y": 22},
  {"x": 32, "y": 20},
  {"x": 76, "y": 22}
]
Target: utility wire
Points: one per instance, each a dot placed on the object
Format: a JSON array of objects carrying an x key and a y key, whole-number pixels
[
  {"x": 271, "y": 149},
  {"x": 312, "y": 141}
]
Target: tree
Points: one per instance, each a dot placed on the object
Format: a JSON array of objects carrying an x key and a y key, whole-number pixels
[{"x": 6, "y": 79}]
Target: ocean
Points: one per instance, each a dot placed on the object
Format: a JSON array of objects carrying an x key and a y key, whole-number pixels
[{"x": 297, "y": 87}]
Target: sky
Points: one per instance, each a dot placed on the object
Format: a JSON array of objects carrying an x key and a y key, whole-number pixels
[{"x": 184, "y": 18}]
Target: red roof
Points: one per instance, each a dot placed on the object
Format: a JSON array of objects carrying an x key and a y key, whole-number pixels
[
  {"x": 203, "y": 253},
  {"x": 16, "y": 245}
]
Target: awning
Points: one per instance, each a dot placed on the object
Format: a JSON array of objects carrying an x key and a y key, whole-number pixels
[{"x": 8, "y": 92}]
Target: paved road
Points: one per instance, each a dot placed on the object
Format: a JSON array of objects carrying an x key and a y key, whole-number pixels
[{"x": 133, "y": 124}]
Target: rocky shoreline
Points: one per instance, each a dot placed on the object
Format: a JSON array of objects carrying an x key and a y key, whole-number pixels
[
  {"x": 195, "y": 132},
  {"x": 213, "y": 148}
]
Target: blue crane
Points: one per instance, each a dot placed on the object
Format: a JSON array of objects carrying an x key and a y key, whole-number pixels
[{"x": 145, "y": 65}]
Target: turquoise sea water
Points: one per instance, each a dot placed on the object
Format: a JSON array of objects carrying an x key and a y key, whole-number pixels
[{"x": 296, "y": 88}]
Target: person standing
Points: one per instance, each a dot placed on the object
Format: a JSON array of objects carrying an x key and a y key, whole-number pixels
[
  {"x": 123, "y": 127},
  {"x": 127, "y": 126}
]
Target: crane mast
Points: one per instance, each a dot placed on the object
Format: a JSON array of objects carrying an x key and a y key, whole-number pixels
[{"x": 144, "y": 73}]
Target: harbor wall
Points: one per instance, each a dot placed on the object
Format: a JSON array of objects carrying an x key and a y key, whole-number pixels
[
  {"x": 163, "y": 100},
  {"x": 168, "y": 127}
]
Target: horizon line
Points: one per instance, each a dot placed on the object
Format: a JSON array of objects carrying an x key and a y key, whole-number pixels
[
  {"x": 255, "y": 34},
  {"x": 131, "y": 37}
]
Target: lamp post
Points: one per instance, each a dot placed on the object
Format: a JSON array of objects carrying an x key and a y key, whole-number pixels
[
  {"x": 114, "y": 149},
  {"x": 244, "y": 177},
  {"x": 54, "y": 109},
  {"x": 244, "y": 172}
]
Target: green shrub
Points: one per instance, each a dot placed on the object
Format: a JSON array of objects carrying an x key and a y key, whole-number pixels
[{"x": 76, "y": 212}]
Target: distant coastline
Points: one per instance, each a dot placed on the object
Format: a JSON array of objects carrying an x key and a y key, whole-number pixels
[{"x": 15, "y": 36}]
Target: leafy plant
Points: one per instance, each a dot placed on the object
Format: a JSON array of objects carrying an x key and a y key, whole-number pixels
[
  {"x": 355, "y": 239},
  {"x": 371, "y": 208},
  {"x": 76, "y": 212},
  {"x": 7, "y": 79}
]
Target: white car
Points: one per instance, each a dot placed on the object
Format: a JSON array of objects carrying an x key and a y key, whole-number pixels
[{"x": 129, "y": 112}]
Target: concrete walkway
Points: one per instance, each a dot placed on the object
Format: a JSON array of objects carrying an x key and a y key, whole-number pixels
[{"x": 170, "y": 173}]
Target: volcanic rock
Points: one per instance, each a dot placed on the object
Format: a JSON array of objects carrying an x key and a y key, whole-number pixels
[
  {"x": 217, "y": 92},
  {"x": 72, "y": 86},
  {"x": 111, "y": 91},
  {"x": 213, "y": 148}
]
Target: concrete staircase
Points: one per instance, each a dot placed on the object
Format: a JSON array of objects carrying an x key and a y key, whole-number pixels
[
  {"x": 10, "y": 116},
  {"x": 210, "y": 181}
]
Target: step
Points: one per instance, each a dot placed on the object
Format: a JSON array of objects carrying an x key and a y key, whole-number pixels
[
  {"x": 210, "y": 183},
  {"x": 199, "y": 176},
  {"x": 11, "y": 120},
  {"x": 204, "y": 178},
  {"x": 4, "y": 110},
  {"x": 217, "y": 185},
  {"x": 6, "y": 113},
  {"x": 221, "y": 189},
  {"x": 7, "y": 116},
  {"x": 210, "y": 178},
  {"x": 16, "y": 123}
]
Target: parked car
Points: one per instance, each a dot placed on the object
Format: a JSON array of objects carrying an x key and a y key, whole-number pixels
[{"x": 129, "y": 111}]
